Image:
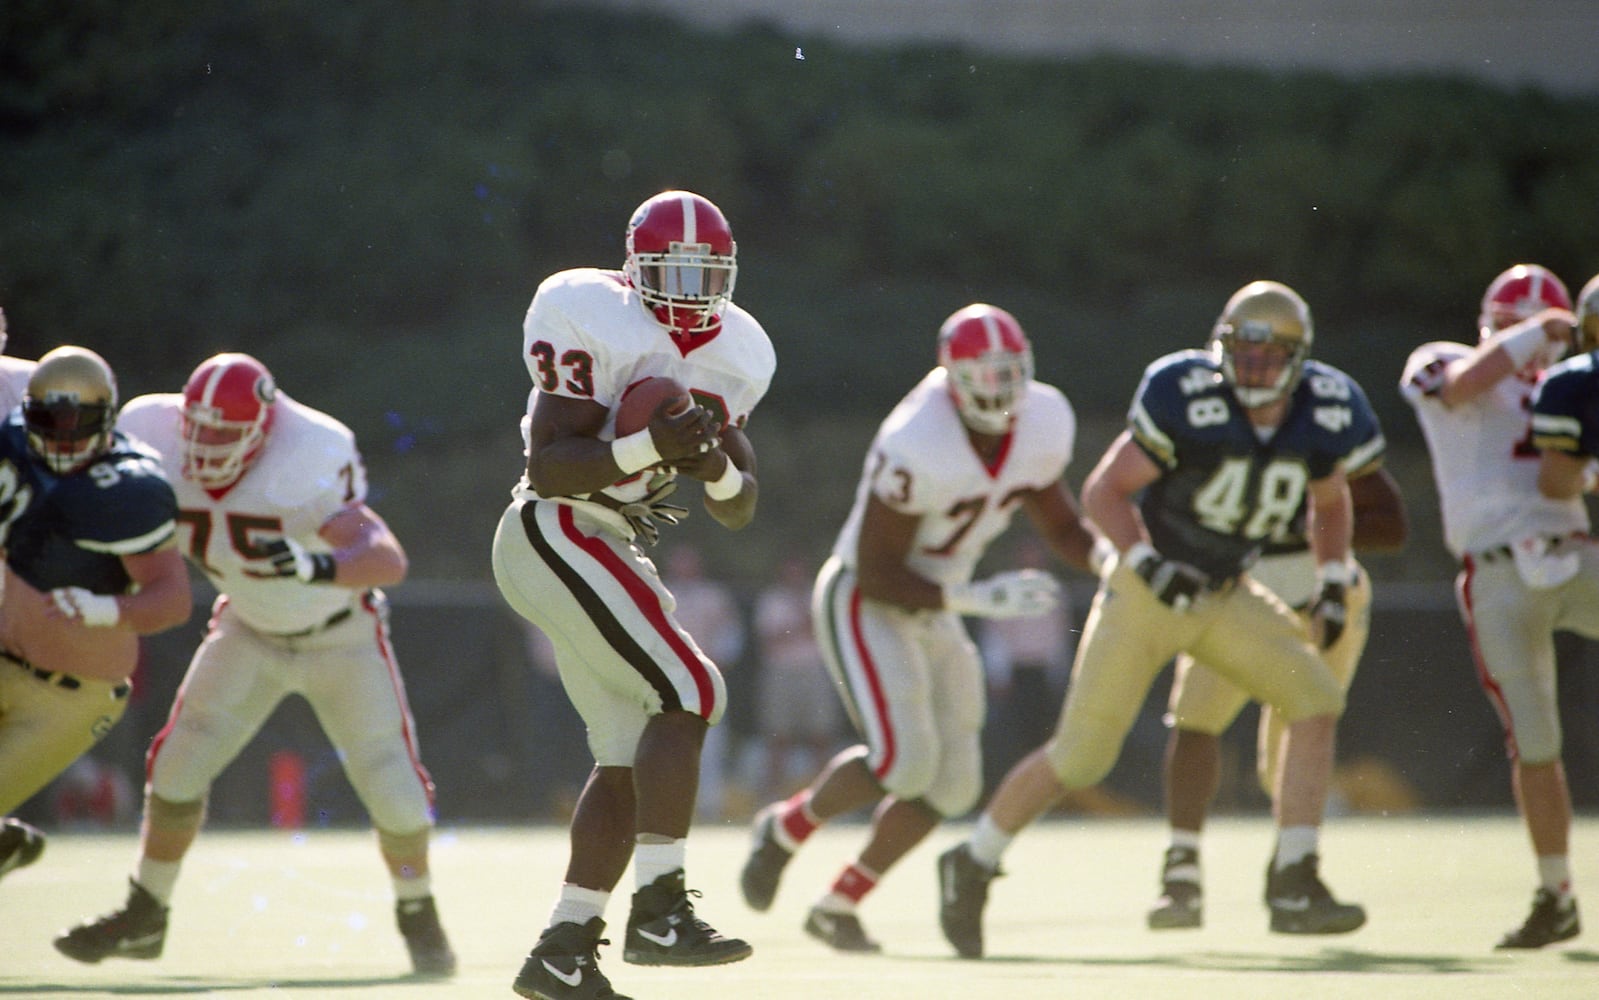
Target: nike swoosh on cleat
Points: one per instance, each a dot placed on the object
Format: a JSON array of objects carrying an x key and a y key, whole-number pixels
[
  {"x": 1291, "y": 904},
  {"x": 572, "y": 979},
  {"x": 140, "y": 942},
  {"x": 663, "y": 940}
]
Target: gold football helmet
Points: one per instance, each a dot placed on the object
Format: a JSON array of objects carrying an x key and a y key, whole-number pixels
[
  {"x": 1261, "y": 314},
  {"x": 1587, "y": 332},
  {"x": 70, "y": 408}
]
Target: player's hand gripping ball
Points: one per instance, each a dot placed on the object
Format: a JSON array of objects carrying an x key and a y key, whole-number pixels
[{"x": 644, "y": 397}]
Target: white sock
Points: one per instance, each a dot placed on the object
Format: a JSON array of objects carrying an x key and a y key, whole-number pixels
[
  {"x": 651, "y": 861},
  {"x": 1185, "y": 838},
  {"x": 578, "y": 905},
  {"x": 158, "y": 878},
  {"x": 988, "y": 842},
  {"x": 1295, "y": 843},
  {"x": 416, "y": 887},
  {"x": 1554, "y": 872}
]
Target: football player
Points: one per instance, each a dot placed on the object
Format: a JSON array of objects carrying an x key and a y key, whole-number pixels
[
  {"x": 975, "y": 441},
  {"x": 569, "y": 557},
  {"x": 1222, "y": 449},
  {"x": 14, "y": 374},
  {"x": 1524, "y": 569},
  {"x": 87, "y": 526},
  {"x": 1203, "y": 703},
  {"x": 272, "y": 494}
]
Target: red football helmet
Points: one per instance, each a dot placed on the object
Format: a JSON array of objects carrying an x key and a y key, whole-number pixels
[
  {"x": 681, "y": 259},
  {"x": 1517, "y": 293},
  {"x": 227, "y": 412},
  {"x": 990, "y": 364}
]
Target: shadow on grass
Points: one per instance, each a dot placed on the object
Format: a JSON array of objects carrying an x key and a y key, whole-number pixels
[
  {"x": 1326, "y": 960},
  {"x": 202, "y": 985}
]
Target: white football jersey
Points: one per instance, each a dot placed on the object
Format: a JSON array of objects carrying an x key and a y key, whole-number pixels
[
  {"x": 1483, "y": 461},
  {"x": 14, "y": 376},
  {"x": 587, "y": 335},
  {"x": 921, "y": 463},
  {"x": 308, "y": 470}
]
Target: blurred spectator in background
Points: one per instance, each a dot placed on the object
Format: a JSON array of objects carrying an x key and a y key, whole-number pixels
[
  {"x": 92, "y": 795},
  {"x": 798, "y": 709},
  {"x": 711, "y": 614}
]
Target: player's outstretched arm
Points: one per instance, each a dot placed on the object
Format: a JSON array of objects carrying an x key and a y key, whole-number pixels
[
  {"x": 365, "y": 552},
  {"x": 1543, "y": 336},
  {"x": 1054, "y": 514},
  {"x": 1110, "y": 489}
]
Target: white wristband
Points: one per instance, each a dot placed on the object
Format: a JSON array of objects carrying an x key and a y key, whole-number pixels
[
  {"x": 634, "y": 452},
  {"x": 1341, "y": 573},
  {"x": 1523, "y": 342},
  {"x": 93, "y": 610},
  {"x": 1100, "y": 555},
  {"x": 1138, "y": 552},
  {"x": 728, "y": 485}
]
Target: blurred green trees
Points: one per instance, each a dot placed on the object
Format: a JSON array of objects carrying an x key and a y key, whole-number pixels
[{"x": 366, "y": 199}]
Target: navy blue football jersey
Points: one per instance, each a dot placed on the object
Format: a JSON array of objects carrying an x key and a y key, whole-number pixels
[
  {"x": 1565, "y": 407},
  {"x": 73, "y": 530},
  {"x": 1229, "y": 495}
]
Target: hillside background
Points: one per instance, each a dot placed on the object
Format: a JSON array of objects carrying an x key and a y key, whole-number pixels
[
  {"x": 365, "y": 196},
  {"x": 367, "y": 203}
]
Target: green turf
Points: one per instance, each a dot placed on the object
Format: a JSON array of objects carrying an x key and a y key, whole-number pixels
[{"x": 278, "y": 915}]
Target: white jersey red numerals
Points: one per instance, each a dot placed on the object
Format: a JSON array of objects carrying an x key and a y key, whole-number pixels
[
  {"x": 921, "y": 463},
  {"x": 1483, "y": 461},
  {"x": 588, "y": 336},
  {"x": 308, "y": 470}
]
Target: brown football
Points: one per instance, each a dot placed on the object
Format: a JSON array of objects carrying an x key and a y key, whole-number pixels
[{"x": 640, "y": 400}]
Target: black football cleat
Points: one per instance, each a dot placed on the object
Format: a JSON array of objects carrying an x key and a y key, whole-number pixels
[
  {"x": 1182, "y": 903},
  {"x": 962, "y": 895},
  {"x": 138, "y": 930},
  {"x": 663, "y": 929},
  {"x": 840, "y": 931},
  {"x": 764, "y": 867},
  {"x": 1301, "y": 904},
  {"x": 1550, "y": 921},
  {"x": 20, "y": 845},
  {"x": 565, "y": 965},
  {"x": 418, "y": 920}
]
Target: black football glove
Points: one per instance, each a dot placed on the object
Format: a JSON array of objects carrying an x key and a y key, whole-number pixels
[
  {"x": 1329, "y": 613},
  {"x": 1175, "y": 583},
  {"x": 286, "y": 557},
  {"x": 642, "y": 515}
]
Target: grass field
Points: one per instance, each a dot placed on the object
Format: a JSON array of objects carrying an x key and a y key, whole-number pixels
[{"x": 280, "y": 915}]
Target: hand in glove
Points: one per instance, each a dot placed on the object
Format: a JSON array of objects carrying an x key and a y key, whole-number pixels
[
  {"x": 1016, "y": 593},
  {"x": 642, "y": 514},
  {"x": 1175, "y": 583},
  {"x": 1329, "y": 612},
  {"x": 79, "y": 604},
  {"x": 287, "y": 557}
]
